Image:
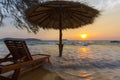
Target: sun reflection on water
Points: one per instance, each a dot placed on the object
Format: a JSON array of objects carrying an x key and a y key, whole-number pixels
[
  {"x": 84, "y": 49},
  {"x": 86, "y": 75},
  {"x": 83, "y": 53}
]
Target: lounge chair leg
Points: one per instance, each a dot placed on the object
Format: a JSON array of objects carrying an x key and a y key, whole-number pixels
[
  {"x": 16, "y": 74},
  {"x": 4, "y": 78},
  {"x": 49, "y": 61}
]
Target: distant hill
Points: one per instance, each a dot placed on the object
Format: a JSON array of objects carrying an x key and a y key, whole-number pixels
[
  {"x": 26, "y": 39},
  {"x": 8, "y": 38},
  {"x": 115, "y": 41},
  {"x": 32, "y": 39}
]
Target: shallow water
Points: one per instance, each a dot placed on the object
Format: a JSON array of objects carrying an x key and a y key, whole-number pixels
[
  {"x": 93, "y": 62},
  {"x": 40, "y": 74}
]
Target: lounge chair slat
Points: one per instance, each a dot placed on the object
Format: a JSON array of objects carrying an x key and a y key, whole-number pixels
[
  {"x": 22, "y": 64},
  {"x": 32, "y": 68}
]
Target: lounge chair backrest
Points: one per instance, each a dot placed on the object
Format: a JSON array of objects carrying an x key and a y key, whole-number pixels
[{"x": 18, "y": 49}]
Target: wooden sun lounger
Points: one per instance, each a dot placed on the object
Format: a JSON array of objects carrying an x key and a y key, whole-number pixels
[{"x": 20, "y": 59}]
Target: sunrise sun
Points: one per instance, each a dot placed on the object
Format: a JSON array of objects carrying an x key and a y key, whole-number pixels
[{"x": 83, "y": 36}]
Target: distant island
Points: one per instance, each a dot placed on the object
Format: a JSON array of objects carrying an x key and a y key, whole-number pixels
[
  {"x": 31, "y": 41},
  {"x": 26, "y": 39},
  {"x": 115, "y": 41}
]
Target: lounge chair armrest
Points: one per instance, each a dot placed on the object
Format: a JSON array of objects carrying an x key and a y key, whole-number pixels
[
  {"x": 6, "y": 58},
  {"x": 41, "y": 54}
]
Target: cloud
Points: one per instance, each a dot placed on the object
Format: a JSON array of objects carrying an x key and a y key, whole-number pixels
[
  {"x": 98, "y": 4},
  {"x": 101, "y": 4}
]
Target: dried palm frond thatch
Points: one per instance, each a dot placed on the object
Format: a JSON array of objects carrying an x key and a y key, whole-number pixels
[{"x": 60, "y": 15}]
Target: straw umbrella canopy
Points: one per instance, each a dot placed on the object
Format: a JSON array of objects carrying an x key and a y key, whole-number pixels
[{"x": 60, "y": 15}]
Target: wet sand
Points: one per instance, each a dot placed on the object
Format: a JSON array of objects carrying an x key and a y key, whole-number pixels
[{"x": 40, "y": 74}]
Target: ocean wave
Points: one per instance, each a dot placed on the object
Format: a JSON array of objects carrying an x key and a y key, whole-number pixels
[{"x": 80, "y": 62}]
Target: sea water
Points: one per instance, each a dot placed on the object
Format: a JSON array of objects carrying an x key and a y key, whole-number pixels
[{"x": 78, "y": 62}]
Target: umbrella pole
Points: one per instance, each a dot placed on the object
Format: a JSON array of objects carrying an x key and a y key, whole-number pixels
[
  {"x": 60, "y": 35},
  {"x": 60, "y": 43}
]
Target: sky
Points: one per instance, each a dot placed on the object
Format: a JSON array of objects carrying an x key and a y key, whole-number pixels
[{"x": 105, "y": 27}]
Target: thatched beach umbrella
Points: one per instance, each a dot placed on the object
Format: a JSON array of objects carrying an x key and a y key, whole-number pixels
[{"x": 61, "y": 15}]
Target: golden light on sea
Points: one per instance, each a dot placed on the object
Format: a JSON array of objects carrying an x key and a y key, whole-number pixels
[{"x": 85, "y": 53}]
